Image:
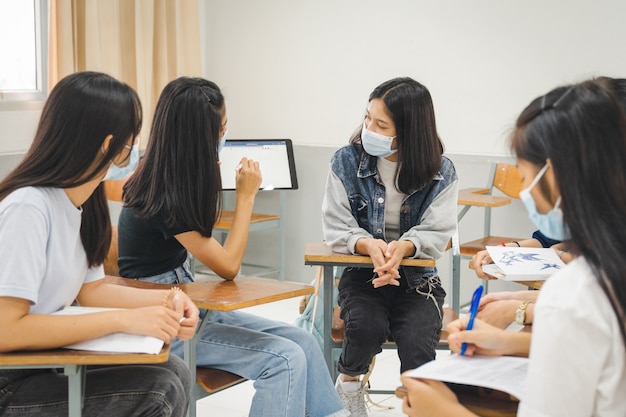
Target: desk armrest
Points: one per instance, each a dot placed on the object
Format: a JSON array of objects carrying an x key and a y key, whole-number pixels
[
  {"x": 60, "y": 357},
  {"x": 220, "y": 295},
  {"x": 320, "y": 254},
  {"x": 479, "y": 197}
]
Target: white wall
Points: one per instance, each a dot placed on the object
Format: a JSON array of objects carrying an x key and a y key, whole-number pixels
[
  {"x": 17, "y": 128},
  {"x": 304, "y": 69}
]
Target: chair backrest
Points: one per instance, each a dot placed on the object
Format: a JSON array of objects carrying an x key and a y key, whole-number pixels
[
  {"x": 507, "y": 179},
  {"x": 110, "y": 263},
  {"x": 113, "y": 192},
  {"x": 113, "y": 189}
]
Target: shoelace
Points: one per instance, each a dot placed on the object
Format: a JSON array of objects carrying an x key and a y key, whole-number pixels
[
  {"x": 366, "y": 383},
  {"x": 432, "y": 282}
]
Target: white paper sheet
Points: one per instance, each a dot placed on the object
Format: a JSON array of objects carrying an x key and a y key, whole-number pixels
[
  {"x": 114, "y": 342},
  {"x": 503, "y": 373}
]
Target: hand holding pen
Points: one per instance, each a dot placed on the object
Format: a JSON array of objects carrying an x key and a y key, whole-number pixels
[
  {"x": 473, "y": 311},
  {"x": 471, "y": 336}
]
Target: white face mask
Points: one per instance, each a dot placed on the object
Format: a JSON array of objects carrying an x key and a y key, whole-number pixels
[
  {"x": 221, "y": 142},
  {"x": 377, "y": 144},
  {"x": 551, "y": 223},
  {"x": 118, "y": 173}
]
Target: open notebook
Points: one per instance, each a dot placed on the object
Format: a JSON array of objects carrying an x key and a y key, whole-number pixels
[
  {"x": 522, "y": 264},
  {"x": 114, "y": 342}
]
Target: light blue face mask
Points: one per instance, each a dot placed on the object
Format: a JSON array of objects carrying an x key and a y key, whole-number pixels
[
  {"x": 376, "y": 144},
  {"x": 551, "y": 223},
  {"x": 118, "y": 173},
  {"x": 221, "y": 142}
]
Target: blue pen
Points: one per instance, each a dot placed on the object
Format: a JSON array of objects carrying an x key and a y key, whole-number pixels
[{"x": 473, "y": 310}]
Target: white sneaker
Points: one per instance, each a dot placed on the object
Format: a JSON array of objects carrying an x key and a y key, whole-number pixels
[{"x": 352, "y": 395}]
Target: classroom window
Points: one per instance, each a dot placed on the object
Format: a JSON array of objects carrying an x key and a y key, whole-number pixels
[{"x": 23, "y": 40}]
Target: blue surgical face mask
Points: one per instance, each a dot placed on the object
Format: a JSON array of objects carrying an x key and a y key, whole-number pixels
[
  {"x": 551, "y": 223},
  {"x": 118, "y": 173},
  {"x": 221, "y": 142},
  {"x": 376, "y": 144}
]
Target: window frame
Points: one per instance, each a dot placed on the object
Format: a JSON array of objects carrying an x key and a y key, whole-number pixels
[{"x": 34, "y": 99}]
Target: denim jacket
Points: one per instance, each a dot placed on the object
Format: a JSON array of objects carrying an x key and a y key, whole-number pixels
[{"x": 354, "y": 207}]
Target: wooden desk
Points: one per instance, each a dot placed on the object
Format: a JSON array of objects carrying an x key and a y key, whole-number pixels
[
  {"x": 257, "y": 221},
  {"x": 319, "y": 254},
  {"x": 535, "y": 285},
  {"x": 74, "y": 363},
  {"x": 220, "y": 295},
  {"x": 216, "y": 294}
]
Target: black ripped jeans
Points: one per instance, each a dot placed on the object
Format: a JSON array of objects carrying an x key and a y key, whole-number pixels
[{"x": 412, "y": 319}]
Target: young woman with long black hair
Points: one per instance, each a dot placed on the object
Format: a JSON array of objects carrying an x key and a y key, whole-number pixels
[
  {"x": 55, "y": 233},
  {"x": 172, "y": 202},
  {"x": 390, "y": 194},
  {"x": 570, "y": 146}
]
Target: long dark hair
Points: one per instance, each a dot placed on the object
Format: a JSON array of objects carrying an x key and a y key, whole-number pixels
[
  {"x": 410, "y": 106},
  {"x": 81, "y": 111},
  {"x": 582, "y": 129},
  {"x": 178, "y": 178}
]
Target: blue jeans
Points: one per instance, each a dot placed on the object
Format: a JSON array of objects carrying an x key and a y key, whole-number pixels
[
  {"x": 129, "y": 390},
  {"x": 284, "y": 361},
  {"x": 374, "y": 315}
]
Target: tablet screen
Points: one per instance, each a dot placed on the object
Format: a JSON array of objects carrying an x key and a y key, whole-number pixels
[{"x": 275, "y": 157}]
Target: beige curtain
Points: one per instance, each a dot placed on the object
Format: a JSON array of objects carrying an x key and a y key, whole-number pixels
[{"x": 145, "y": 43}]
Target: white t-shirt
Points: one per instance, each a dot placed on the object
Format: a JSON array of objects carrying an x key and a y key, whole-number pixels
[
  {"x": 42, "y": 258},
  {"x": 393, "y": 198},
  {"x": 578, "y": 359}
]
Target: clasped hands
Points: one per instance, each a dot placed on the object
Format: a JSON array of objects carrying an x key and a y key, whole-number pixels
[{"x": 386, "y": 258}]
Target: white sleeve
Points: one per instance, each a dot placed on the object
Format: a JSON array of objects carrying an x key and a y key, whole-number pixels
[
  {"x": 341, "y": 230},
  {"x": 437, "y": 225},
  {"x": 94, "y": 273},
  {"x": 23, "y": 254},
  {"x": 566, "y": 360}
]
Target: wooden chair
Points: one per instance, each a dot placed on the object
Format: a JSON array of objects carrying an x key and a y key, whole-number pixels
[
  {"x": 506, "y": 179},
  {"x": 113, "y": 192},
  {"x": 208, "y": 380},
  {"x": 502, "y": 177}
]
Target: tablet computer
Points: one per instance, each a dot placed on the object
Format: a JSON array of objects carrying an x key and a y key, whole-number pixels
[{"x": 275, "y": 157}]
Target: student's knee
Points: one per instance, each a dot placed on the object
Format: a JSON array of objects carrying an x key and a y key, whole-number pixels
[
  {"x": 180, "y": 368},
  {"x": 288, "y": 357}
]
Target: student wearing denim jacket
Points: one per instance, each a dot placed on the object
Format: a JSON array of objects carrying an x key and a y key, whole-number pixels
[{"x": 390, "y": 194}]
